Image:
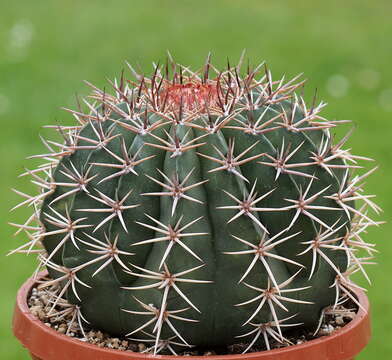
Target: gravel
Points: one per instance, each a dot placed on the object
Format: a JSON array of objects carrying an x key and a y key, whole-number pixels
[{"x": 67, "y": 319}]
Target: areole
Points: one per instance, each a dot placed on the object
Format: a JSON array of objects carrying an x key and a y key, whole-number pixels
[{"x": 44, "y": 343}]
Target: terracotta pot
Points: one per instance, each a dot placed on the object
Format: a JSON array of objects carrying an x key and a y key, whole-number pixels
[{"x": 46, "y": 344}]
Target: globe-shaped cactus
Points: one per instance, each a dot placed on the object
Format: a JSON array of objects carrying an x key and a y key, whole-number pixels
[{"x": 190, "y": 209}]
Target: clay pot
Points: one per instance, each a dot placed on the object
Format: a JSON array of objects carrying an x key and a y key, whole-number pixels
[{"x": 44, "y": 343}]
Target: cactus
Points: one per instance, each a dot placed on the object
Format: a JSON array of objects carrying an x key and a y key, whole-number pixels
[{"x": 195, "y": 210}]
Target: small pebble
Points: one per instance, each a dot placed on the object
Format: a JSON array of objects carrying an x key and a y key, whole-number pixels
[
  {"x": 62, "y": 329},
  {"x": 326, "y": 330},
  {"x": 339, "y": 320}
]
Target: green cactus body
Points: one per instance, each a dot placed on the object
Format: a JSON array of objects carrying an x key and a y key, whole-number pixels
[{"x": 198, "y": 210}]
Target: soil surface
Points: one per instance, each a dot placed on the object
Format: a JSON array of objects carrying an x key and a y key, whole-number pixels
[{"x": 66, "y": 319}]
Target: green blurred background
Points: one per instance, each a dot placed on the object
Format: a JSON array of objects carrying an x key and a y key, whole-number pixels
[{"x": 48, "y": 47}]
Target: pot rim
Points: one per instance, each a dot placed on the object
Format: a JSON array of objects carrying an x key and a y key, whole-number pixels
[{"x": 48, "y": 344}]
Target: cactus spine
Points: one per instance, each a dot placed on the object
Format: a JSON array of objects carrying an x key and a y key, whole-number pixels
[{"x": 189, "y": 209}]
